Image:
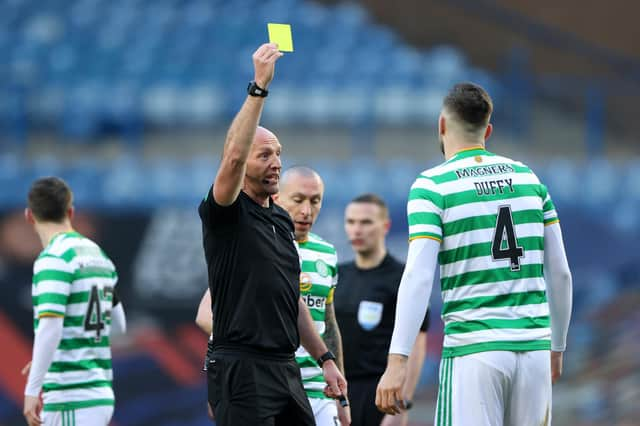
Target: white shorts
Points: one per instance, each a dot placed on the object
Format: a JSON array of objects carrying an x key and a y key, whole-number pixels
[
  {"x": 325, "y": 411},
  {"x": 92, "y": 416},
  {"x": 494, "y": 389}
]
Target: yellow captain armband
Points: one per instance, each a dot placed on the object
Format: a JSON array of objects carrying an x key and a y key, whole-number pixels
[
  {"x": 48, "y": 314},
  {"x": 431, "y": 237},
  {"x": 330, "y": 296}
]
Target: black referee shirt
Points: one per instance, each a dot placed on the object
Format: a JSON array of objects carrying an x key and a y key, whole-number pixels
[
  {"x": 365, "y": 305},
  {"x": 254, "y": 275}
]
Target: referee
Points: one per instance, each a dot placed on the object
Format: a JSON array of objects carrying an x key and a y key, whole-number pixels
[
  {"x": 254, "y": 271},
  {"x": 365, "y": 306}
]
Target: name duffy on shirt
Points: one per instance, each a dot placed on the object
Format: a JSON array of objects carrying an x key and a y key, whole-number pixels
[{"x": 493, "y": 187}]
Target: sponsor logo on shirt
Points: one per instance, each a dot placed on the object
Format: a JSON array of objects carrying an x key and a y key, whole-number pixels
[
  {"x": 316, "y": 302},
  {"x": 305, "y": 282}
]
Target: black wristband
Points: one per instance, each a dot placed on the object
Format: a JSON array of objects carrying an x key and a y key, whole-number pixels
[
  {"x": 408, "y": 404},
  {"x": 344, "y": 402},
  {"x": 325, "y": 357},
  {"x": 254, "y": 90}
]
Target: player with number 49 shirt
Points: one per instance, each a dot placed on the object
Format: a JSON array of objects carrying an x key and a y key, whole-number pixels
[{"x": 75, "y": 310}]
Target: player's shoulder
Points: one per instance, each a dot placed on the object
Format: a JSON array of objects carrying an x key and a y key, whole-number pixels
[
  {"x": 63, "y": 245},
  {"x": 432, "y": 173},
  {"x": 427, "y": 186},
  {"x": 71, "y": 245},
  {"x": 60, "y": 253},
  {"x": 431, "y": 178},
  {"x": 317, "y": 244},
  {"x": 319, "y": 240},
  {"x": 517, "y": 165}
]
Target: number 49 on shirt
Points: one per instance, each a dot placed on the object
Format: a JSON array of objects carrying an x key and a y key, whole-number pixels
[{"x": 93, "y": 318}]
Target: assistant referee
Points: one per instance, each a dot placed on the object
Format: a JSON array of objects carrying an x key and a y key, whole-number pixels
[
  {"x": 254, "y": 271},
  {"x": 365, "y": 306}
]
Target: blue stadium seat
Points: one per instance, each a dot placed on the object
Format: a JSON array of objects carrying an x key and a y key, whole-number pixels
[{"x": 163, "y": 47}]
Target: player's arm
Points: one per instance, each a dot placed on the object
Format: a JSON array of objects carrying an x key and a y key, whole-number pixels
[
  {"x": 204, "y": 317},
  {"x": 413, "y": 298},
  {"x": 309, "y": 337},
  {"x": 424, "y": 214},
  {"x": 333, "y": 340},
  {"x": 559, "y": 293},
  {"x": 416, "y": 360},
  {"x": 414, "y": 365},
  {"x": 52, "y": 278},
  {"x": 45, "y": 342},
  {"x": 313, "y": 343},
  {"x": 332, "y": 336},
  {"x": 228, "y": 182}
]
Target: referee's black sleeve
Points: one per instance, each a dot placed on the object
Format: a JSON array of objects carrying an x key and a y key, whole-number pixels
[{"x": 213, "y": 213}]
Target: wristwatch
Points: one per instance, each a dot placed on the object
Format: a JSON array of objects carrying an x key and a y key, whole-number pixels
[
  {"x": 254, "y": 90},
  {"x": 408, "y": 404},
  {"x": 325, "y": 357}
]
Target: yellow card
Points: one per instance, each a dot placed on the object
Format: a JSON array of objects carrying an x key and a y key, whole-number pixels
[{"x": 281, "y": 35}]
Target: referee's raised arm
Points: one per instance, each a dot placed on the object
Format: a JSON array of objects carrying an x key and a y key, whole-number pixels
[{"x": 230, "y": 177}]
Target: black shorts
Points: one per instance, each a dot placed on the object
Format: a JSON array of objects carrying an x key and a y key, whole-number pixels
[
  {"x": 362, "y": 398},
  {"x": 245, "y": 390}
]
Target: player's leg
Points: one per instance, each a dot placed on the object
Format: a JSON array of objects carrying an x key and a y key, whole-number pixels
[
  {"x": 325, "y": 411},
  {"x": 473, "y": 389},
  {"x": 530, "y": 402}
]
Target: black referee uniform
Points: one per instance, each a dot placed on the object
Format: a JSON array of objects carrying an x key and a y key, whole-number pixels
[
  {"x": 365, "y": 305},
  {"x": 254, "y": 271}
]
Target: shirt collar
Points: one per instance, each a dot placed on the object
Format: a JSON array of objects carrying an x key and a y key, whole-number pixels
[{"x": 468, "y": 152}]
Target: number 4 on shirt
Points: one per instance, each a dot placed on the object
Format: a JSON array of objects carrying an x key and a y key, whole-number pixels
[{"x": 505, "y": 231}]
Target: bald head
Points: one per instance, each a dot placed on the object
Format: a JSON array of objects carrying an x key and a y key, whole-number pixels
[
  {"x": 301, "y": 192},
  {"x": 295, "y": 173},
  {"x": 263, "y": 135}
]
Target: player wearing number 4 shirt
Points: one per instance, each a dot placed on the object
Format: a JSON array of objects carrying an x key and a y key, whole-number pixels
[
  {"x": 75, "y": 312},
  {"x": 506, "y": 286}
]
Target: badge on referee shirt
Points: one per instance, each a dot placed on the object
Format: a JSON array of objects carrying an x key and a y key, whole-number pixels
[{"x": 369, "y": 314}]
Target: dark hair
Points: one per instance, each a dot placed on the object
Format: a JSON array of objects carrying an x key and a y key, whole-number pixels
[
  {"x": 471, "y": 104},
  {"x": 49, "y": 199},
  {"x": 373, "y": 199}
]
